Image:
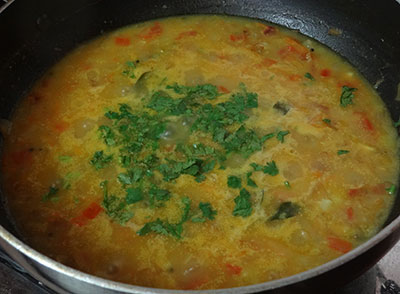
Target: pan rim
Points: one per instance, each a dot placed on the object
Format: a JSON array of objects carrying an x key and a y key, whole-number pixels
[{"x": 128, "y": 288}]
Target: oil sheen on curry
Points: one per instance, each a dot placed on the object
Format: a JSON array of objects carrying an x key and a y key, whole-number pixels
[{"x": 200, "y": 152}]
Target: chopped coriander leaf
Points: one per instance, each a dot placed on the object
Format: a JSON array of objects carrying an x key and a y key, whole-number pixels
[
  {"x": 115, "y": 207},
  {"x": 391, "y": 190},
  {"x": 133, "y": 195},
  {"x": 65, "y": 158},
  {"x": 124, "y": 179},
  {"x": 282, "y": 107},
  {"x": 129, "y": 71},
  {"x": 326, "y": 120},
  {"x": 100, "y": 160},
  {"x": 347, "y": 96},
  {"x": 271, "y": 168},
  {"x": 281, "y": 135},
  {"x": 161, "y": 227},
  {"x": 207, "y": 213},
  {"x": 192, "y": 92},
  {"x": 108, "y": 135},
  {"x": 234, "y": 182},
  {"x": 309, "y": 76},
  {"x": 397, "y": 124},
  {"x": 243, "y": 204},
  {"x": 256, "y": 166},
  {"x": 245, "y": 142},
  {"x": 287, "y": 184},
  {"x": 71, "y": 176},
  {"x": 250, "y": 182},
  {"x": 341, "y": 152},
  {"x": 200, "y": 178},
  {"x": 51, "y": 194},
  {"x": 159, "y": 194},
  {"x": 286, "y": 210}
]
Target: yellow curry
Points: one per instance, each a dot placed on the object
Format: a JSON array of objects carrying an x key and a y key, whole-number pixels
[{"x": 200, "y": 152}]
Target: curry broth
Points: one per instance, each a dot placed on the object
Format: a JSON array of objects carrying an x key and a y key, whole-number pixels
[{"x": 322, "y": 183}]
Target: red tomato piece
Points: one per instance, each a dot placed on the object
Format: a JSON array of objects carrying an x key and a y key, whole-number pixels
[
  {"x": 233, "y": 269},
  {"x": 92, "y": 210},
  {"x": 339, "y": 244},
  {"x": 269, "y": 30},
  {"x": 186, "y": 34},
  {"x": 326, "y": 72},
  {"x": 350, "y": 213},
  {"x": 122, "y": 41},
  {"x": 223, "y": 89}
]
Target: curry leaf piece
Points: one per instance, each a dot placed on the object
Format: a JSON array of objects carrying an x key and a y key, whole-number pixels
[
  {"x": 51, "y": 194},
  {"x": 346, "y": 98},
  {"x": 341, "y": 152},
  {"x": 286, "y": 210},
  {"x": 243, "y": 204}
]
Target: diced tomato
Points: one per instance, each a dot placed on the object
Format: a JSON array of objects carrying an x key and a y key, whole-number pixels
[
  {"x": 92, "y": 210},
  {"x": 295, "y": 78},
  {"x": 61, "y": 126},
  {"x": 268, "y": 62},
  {"x": 89, "y": 213},
  {"x": 269, "y": 30},
  {"x": 350, "y": 213},
  {"x": 356, "y": 192},
  {"x": 326, "y": 72},
  {"x": 339, "y": 244},
  {"x": 153, "y": 32},
  {"x": 122, "y": 41},
  {"x": 22, "y": 157},
  {"x": 239, "y": 37},
  {"x": 186, "y": 34},
  {"x": 223, "y": 89},
  {"x": 233, "y": 269}
]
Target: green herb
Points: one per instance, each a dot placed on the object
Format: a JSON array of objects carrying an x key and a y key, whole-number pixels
[
  {"x": 281, "y": 135},
  {"x": 286, "y": 210},
  {"x": 309, "y": 76},
  {"x": 397, "y": 124},
  {"x": 256, "y": 166},
  {"x": 129, "y": 71},
  {"x": 282, "y": 107},
  {"x": 207, "y": 91},
  {"x": 327, "y": 121},
  {"x": 347, "y": 96},
  {"x": 133, "y": 195},
  {"x": 391, "y": 190},
  {"x": 271, "y": 168},
  {"x": 51, "y": 194},
  {"x": 250, "y": 182},
  {"x": 69, "y": 177},
  {"x": 115, "y": 207},
  {"x": 267, "y": 136},
  {"x": 243, "y": 204},
  {"x": 287, "y": 184},
  {"x": 234, "y": 182},
  {"x": 341, "y": 152},
  {"x": 65, "y": 158},
  {"x": 157, "y": 194},
  {"x": 164, "y": 227},
  {"x": 207, "y": 213},
  {"x": 100, "y": 160}
]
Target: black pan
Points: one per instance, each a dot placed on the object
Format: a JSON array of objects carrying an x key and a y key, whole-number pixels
[{"x": 36, "y": 34}]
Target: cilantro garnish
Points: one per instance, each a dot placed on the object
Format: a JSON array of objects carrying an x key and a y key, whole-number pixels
[
  {"x": 347, "y": 96},
  {"x": 341, "y": 152},
  {"x": 129, "y": 70},
  {"x": 51, "y": 194},
  {"x": 309, "y": 76},
  {"x": 391, "y": 190},
  {"x": 207, "y": 213},
  {"x": 281, "y": 135},
  {"x": 65, "y": 158},
  {"x": 115, "y": 207},
  {"x": 286, "y": 210},
  {"x": 271, "y": 168},
  {"x": 133, "y": 195},
  {"x": 327, "y": 121},
  {"x": 250, "y": 182},
  {"x": 234, "y": 182},
  {"x": 243, "y": 204},
  {"x": 100, "y": 160},
  {"x": 287, "y": 184}
]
